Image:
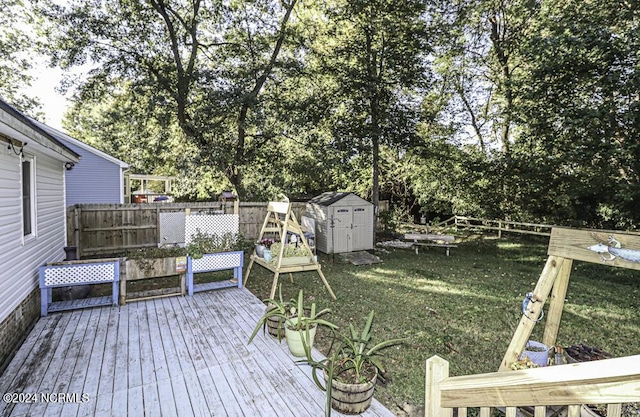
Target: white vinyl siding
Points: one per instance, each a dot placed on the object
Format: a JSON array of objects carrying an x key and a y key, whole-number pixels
[{"x": 20, "y": 258}]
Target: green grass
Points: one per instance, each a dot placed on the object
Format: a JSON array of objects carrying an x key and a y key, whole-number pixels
[{"x": 464, "y": 307}]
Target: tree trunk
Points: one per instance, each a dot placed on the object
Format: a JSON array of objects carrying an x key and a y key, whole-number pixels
[
  {"x": 374, "y": 109},
  {"x": 497, "y": 38},
  {"x": 234, "y": 172}
]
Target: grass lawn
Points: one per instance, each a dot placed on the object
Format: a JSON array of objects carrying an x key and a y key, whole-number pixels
[{"x": 464, "y": 307}]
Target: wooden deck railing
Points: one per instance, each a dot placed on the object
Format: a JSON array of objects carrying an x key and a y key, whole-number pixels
[{"x": 611, "y": 381}]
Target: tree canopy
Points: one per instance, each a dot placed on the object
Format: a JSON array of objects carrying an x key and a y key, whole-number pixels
[
  {"x": 515, "y": 109},
  {"x": 17, "y": 47}
]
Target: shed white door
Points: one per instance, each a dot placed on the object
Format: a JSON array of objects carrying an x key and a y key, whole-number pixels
[
  {"x": 353, "y": 229},
  {"x": 342, "y": 229},
  {"x": 362, "y": 228}
]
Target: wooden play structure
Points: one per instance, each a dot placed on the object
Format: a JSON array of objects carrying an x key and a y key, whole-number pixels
[
  {"x": 610, "y": 381},
  {"x": 280, "y": 222}
]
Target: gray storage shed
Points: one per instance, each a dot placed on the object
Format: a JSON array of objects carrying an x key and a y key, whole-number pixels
[{"x": 344, "y": 222}]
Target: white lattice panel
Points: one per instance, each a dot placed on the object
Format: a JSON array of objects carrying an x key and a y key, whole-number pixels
[
  {"x": 172, "y": 226},
  {"x": 216, "y": 261},
  {"x": 218, "y": 224},
  {"x": 79, "y": 274}
]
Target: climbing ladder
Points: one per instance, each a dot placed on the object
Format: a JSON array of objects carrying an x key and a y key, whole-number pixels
[{"x": 279, "y": 221}]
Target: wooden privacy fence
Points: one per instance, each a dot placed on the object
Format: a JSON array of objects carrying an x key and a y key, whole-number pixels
[
  {"x": 106, "y": 229},
  {"x": 111, "y": 229}
]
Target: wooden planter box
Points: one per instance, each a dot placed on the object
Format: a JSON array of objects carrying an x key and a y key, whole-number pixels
[
  {"x": 136, "y": 269},
  {"x": 154, "y": 268},
  {"x": 296, "y": 260}
]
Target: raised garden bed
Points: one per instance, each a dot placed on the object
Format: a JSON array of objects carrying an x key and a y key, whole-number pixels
[
  {"x": 142, "y": 269},
  {"x": 78, "y": 273},
  {"x": 215, "y": 262}
]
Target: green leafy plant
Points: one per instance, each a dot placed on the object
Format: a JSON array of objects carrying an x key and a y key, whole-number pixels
[
  {"x": 145, "y": 258},
  {"x": 290, "y": 250},
  {"x": 277, "y": 309},
  {"x": 155, "y": 253},
  {"x": 202, "y": 243},
  {"x": 355, "y": 360},
  {"x": 294, "y": 314},
  {"x": 302, "y": 318}
]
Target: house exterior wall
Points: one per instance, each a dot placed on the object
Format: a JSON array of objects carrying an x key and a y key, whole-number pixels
[
  {"x": 15, "y": 327},
  {"x": 93, "y": 180},
  {"x": 20, "y": 257}
]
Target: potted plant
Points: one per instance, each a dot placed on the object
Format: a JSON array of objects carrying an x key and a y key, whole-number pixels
[
  {"x": 300, "y": 328},
  {"x": 537, "y": 352},
  {"x": 300, "y": 322},
  {"x": 351, "y": 369},
  {"x": 264, "y": 243},
  {"x": 275, "y": 314}
]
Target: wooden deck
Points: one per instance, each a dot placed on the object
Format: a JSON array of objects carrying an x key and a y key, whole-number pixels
[{"x": 178, "y": 356}]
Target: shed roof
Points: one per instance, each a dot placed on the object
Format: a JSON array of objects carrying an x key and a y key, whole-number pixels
[{"x": 330, "y": 197}]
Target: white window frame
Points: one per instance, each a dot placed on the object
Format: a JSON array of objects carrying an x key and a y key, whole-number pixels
[{"x": 31, "y": 159}]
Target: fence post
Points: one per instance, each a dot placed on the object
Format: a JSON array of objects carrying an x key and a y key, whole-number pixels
[
  {"x": 158, "y": 237},
  {"x": 77, "y": 230},
  {"x": 437, "y": 369},
  {"x": 499, "y": 229}
]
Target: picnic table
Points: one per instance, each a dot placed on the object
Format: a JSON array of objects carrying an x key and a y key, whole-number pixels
[{"x": 421, "y": 239}]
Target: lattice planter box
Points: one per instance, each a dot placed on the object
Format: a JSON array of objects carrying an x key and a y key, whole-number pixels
[
  {"x": 215, "y": 262},
  {"x": 74, "y": 273}
]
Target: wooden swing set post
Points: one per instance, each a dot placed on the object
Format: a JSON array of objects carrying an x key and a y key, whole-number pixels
[{"x": 565, "y": 246}]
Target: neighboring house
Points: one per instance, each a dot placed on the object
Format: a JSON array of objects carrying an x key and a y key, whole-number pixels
[
  {"x": 98, "y": 178},
  {"x": 32, "y": 219}
]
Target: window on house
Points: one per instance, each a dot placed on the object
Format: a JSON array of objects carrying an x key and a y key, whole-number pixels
[{"x": 28, "y": 200}]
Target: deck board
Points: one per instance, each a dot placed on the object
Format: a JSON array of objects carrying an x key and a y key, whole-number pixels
[{"x": 185, "y": 356}]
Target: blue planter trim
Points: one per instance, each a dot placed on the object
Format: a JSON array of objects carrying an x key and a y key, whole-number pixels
[
  {"x": 64, "y": 274},
  {"x": 215, "y": 262}
]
